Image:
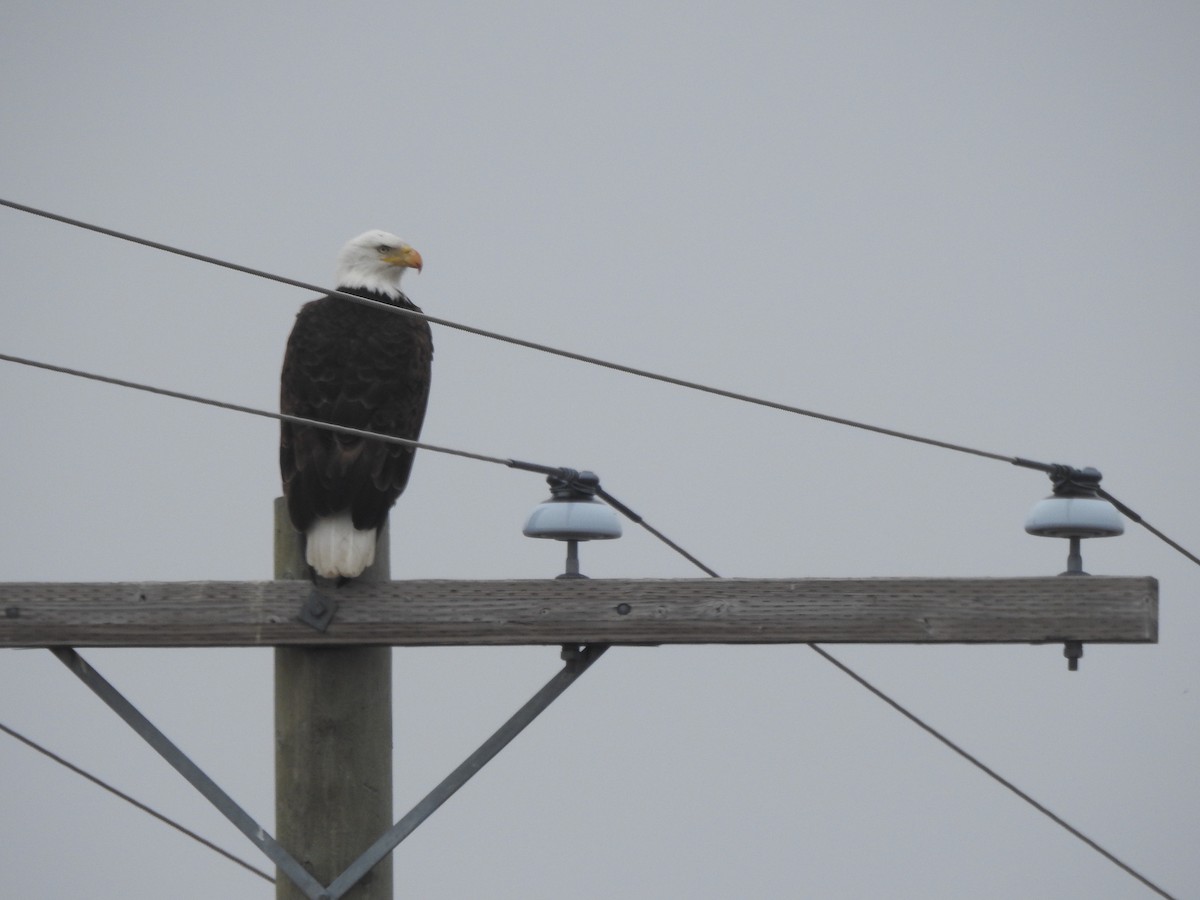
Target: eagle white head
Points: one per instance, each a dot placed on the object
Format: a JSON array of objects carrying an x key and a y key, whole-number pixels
[{"x": 375, "y": 260}]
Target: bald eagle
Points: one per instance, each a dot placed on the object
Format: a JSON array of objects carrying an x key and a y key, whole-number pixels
[{"x": 364, "y": 367}]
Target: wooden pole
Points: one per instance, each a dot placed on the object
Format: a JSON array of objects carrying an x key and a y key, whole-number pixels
[{"x": 333, "y": 741}]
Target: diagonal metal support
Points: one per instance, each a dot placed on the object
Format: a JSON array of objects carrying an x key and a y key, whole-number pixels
[
  {"x": 578, "y": 660},
  {"x": 189, "y": 770}
]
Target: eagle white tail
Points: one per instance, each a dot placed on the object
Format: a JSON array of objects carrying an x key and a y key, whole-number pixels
[{"x": 336, "y": 549}]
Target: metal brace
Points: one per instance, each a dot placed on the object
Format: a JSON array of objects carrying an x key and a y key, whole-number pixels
[{"x": 580, "y": 657}]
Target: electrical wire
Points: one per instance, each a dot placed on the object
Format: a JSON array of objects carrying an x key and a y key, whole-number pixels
[
  {"x": 635, "y": 518},
  {"x": 250, "y": 410},
  {"x": 137, "y": 803},
  {"x": 1134, "y": 517},
  {"x": 509, "y": 339},
  {"x": 988, "y": 770},
  {"x": 568, "y": 474},
  {"x": 605, "y": 495},
  {"x": 578, "y": 357},
  {"x": 630, "y": 370},
  {"x": 556, "y": 471},
  {"x": 973, "y": 760}
]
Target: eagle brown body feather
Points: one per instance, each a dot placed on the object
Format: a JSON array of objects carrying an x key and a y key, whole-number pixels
[{"x": 363, "y": 367}]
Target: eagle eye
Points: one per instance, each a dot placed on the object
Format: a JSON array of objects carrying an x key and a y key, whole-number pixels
[{"x": 383, "y": 248}]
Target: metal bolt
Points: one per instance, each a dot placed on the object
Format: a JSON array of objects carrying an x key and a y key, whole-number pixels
[
  {"x": 570, "y": 653},
  {"x": 1073, "y": 651}
]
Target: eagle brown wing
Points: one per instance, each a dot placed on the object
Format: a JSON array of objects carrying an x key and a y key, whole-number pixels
[{"x": 363, "y": 367}]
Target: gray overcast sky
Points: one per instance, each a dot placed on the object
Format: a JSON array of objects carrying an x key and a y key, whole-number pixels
[{"x": 973, "y": 221}]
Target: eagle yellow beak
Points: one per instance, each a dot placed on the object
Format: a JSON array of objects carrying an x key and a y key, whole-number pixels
[{"x": 405, "y": 256}]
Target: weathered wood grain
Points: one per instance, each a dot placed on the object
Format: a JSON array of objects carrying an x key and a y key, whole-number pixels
[
  {"x": 333, "y": 716},
  {"x": 679, "y": 611}
]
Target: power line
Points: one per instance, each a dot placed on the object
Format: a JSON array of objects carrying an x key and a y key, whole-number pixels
[
  {"x": 988, "y": 770},
  {"x": 252, "y": 411},
  {"x": 568, "y": 475},
  {"x": 634, "y": 517},
  {"x": 137, "y": 803},
  {"x": 630, "y": 370},
  {"x": 519, "y": 342},
  {"x": 973, "y": 760},
  {"x": 565, "y": 474},
  {"x": 511, "y": 463},
  {"x": 578, "y": 357},
  {"x": 1134, "y": 517}
]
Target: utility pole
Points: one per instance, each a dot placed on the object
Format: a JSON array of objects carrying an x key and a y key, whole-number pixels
[
  {"x": 334, "y": 831},
  {"x": 333, "y": 741}
]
